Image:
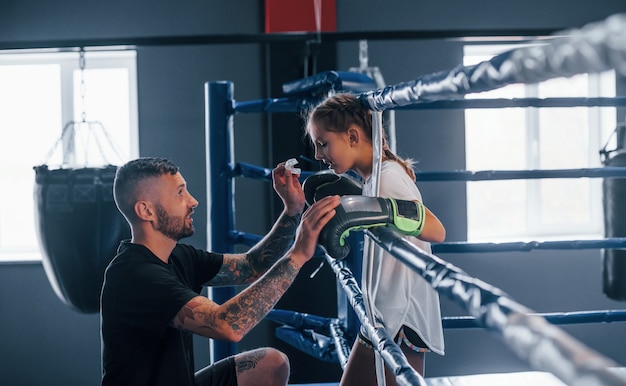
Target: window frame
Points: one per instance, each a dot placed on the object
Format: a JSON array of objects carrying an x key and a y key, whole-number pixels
[
  {"x": 601, "y": 122},
  {"x": 102, "y": 58}
]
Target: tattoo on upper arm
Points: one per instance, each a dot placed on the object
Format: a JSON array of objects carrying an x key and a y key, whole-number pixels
[
  {"x": 194, "y": 312},
  {"x": 184, "y": 313}
]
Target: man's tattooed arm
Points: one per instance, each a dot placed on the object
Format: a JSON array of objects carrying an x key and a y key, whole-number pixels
[
  {"x": 245, "y": 268},
  {"x": 237, "y": 316}
]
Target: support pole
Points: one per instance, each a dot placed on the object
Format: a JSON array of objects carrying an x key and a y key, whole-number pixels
[{"x": 220, "y": 187}]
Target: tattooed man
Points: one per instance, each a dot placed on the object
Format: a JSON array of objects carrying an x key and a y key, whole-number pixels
[{"x": 151, "y": 303}]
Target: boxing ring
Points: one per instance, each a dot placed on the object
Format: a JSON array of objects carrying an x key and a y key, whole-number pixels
[{"x": 535, "y": 338}]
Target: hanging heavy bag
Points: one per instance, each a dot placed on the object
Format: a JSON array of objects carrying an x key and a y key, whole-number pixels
[
  {"x": 614, "y": 204},
  {"x": 78, "y": 225},
  {"x": 79, "y": 229}
]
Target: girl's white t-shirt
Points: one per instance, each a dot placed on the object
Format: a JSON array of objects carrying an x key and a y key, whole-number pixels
[{"x": 400, "y": 295}]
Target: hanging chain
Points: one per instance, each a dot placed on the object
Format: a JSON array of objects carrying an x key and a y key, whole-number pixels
[
  {"x": 363, "y": 55},
  {"x": 81, "y": 64},
  {"x": 83, "y": 132}
]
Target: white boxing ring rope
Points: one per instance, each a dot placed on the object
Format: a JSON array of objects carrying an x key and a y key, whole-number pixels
[
  {"x": 544, "y": 346},
  {"x": 595, "y": 47},
  {"x": 531, "y": 337}
]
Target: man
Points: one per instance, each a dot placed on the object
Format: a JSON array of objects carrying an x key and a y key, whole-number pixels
[{"x": 151, "y": 302}]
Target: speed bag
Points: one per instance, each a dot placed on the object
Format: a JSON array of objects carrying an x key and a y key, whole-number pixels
[
  {"x": 614, "y": 204},
  {"x": 79, "y": 229}
]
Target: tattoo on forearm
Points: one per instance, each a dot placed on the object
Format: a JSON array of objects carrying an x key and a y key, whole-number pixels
[
  {"x": 259, "y": 258},
  {"x": 256, "y": 301},
  {"x": 262, "y": 256}
]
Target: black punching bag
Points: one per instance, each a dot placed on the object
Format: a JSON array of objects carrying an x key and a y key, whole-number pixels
[
  {"x": 614, "y": 203},
  {"x": 79, "y": 229}
]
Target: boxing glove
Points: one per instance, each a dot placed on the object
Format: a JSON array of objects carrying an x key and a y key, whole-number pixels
[
  {"x": 360, "y": 212},
  {"x": 327, "y": 183}
]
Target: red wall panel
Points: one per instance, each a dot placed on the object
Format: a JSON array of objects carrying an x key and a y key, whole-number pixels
[{"x": 299, "y": 16}]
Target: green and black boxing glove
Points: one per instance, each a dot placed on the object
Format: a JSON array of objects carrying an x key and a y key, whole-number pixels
[
  {"x": 360, "y": 212},
  {"x": 327, "y": 183}
]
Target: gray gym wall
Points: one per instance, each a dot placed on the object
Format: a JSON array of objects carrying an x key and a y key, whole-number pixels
[{"x": 44, "y": 342}]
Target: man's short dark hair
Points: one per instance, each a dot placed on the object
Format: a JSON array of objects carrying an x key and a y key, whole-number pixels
[{"x": 130, "y": 175}]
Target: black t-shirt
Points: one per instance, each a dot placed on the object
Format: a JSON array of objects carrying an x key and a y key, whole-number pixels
[{"x": 140, "y": 297}]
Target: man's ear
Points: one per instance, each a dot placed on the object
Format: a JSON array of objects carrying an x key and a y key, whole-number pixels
[{"x": 144, "y": 210}]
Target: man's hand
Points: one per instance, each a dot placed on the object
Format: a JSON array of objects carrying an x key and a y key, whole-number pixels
[
  {"x": 288, "y": 187},
  {"x": 313, "y": 221}
]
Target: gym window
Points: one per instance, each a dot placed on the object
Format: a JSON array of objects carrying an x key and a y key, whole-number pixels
[
  {"x": 537, "y": 139},
  {"x": 40, "y": 94}
]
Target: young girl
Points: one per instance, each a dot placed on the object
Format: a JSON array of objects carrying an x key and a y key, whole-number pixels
[{"x": 341, "y": 131}]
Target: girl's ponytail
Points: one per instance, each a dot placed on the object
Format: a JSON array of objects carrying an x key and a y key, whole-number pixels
[{"x": 407, "y": 164}]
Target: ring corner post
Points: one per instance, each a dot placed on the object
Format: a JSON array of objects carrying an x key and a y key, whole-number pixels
[{"x": 220, "y": 187}]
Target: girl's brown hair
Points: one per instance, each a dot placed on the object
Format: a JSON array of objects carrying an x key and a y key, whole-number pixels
[{"x": 339, "y": 111}]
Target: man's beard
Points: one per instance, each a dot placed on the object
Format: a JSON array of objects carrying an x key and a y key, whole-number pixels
[{"x": 174, "y": 228}]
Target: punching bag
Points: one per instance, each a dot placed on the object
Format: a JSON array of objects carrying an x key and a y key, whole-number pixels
[
  {"x": 614, "y": 204},
  {"x": 79, "y": 229}
]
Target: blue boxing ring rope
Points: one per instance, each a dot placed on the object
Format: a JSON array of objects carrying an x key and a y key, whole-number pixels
[{"x": 531, "y": 336}]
